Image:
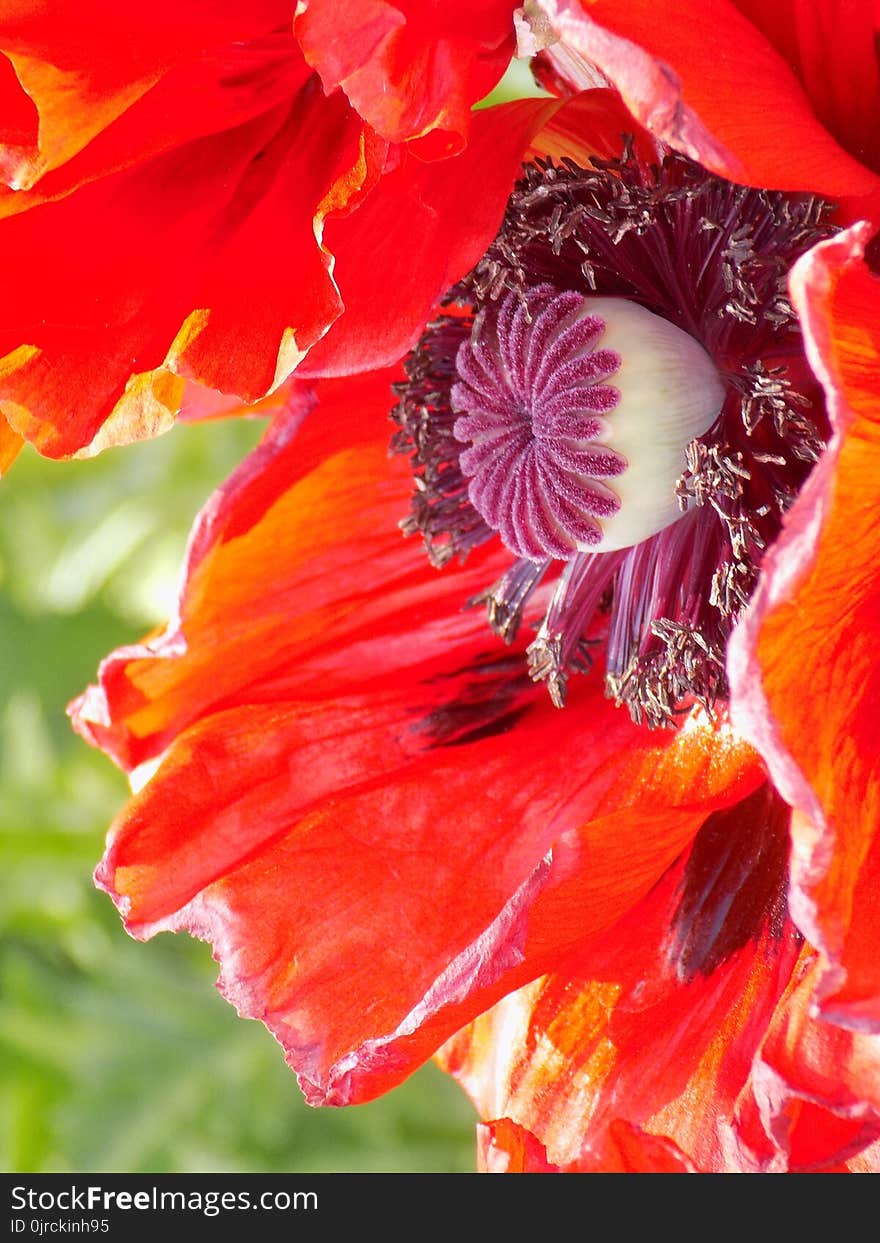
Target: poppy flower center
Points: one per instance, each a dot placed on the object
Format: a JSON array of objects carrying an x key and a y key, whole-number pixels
[
  {"x": 576, "y": 413},
  {"x": 618, "y": 390}
]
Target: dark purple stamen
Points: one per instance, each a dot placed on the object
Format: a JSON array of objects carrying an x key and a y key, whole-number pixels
[{"x": 502, "y": 416}]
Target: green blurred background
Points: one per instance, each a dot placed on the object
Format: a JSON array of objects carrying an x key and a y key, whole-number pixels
[{"x": 114, "y": 1055}]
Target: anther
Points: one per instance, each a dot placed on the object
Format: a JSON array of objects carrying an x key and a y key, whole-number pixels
[{"x": 567, "y": 399}]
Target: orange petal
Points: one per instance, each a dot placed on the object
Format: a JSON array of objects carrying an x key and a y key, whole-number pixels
[
  {"x": 10, "y": 445},
  {"x": 593, "y": 123},
  {"x": 615, "y": 1034},
  {"x": 804, "y": 663},
  {"x": 504, "y": 1147},
  {"x": 611, "y": 1063}
]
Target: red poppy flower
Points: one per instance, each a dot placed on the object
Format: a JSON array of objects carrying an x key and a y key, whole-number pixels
[
  {"x": 167, "y": 179},
  {"x": 385, "y": 826}
]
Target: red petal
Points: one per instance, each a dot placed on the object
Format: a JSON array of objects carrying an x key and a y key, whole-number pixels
[
  {"x": 86, "y": 68},
  {"x": 415, "y": 231},
  {"x": 593, "y": 123},
  {"x": 226, "y": 223},
  {"x": 18, "y": 128},
  {"x": 819, "y": 1098},
  {"x": 361, "y": 792},
  {"x": 803, "y": 664},
  {"x": 211, "y": 90},
  {"x": 411, "y": 68},
  {"x": 831, "y": 45},
  {"x": 630, "y": 1150},
  {"x": 269, "y": 291},
  {"x": 503, "y": 1147},
  {"x": 725, "y": 1073},
  {"x": 700, "y": 76},
  {"x": 200, "y": 404}
]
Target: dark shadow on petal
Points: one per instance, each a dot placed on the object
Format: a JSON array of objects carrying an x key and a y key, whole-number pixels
[
  {"x": 872, "y": 254},
  {"x": 734, "y": 882},
  {"x": 491, "y": 696}
]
